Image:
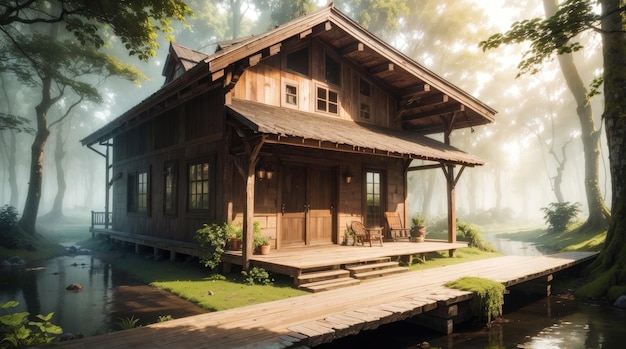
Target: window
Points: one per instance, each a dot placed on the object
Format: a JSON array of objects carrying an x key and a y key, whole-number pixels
[
  {"x": 138, "y": 194},
  {"x": 373, "y": 195},
  {"x": 327, "y": 100},
  {"x": 364, "y": 96},
  {"x": 298, "y": 61},
  {"x": 365, "y": 111},
  {"x": 169, "y": 188},
  {"x": 291, "y": 94},
  {"x": 332, "y": 73},
  {"x": 199, "y": 186}
]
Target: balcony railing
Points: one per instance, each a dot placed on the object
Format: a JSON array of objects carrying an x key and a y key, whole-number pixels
[{"x": 101, "y": 219}]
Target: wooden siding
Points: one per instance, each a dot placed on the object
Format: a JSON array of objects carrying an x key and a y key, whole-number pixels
[
  {"x": 265, "y": 83},
  {"x": 149, "y": 153}
]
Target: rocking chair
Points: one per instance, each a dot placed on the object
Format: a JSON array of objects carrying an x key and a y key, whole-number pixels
[
  {"x": 363, "y": 235},
  {"x": 395, "y": 226}
]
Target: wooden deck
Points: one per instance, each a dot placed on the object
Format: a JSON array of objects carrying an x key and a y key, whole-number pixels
[
  {"x": 294, "y": 261},
  {"x": 318, "y": 318}
]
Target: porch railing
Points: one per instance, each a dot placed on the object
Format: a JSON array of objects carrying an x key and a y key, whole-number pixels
[{"x": 101, "y": 219}]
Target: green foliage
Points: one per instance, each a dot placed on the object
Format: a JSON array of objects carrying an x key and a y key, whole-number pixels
[
  {"x": 558, "y": 215},
  {"x": 467, "y": 232},
  {"x": 259, "y": 238},
  {"x": 547, "y": 36},
  {"x": 15, "y": 123},
  {"x": 417, "y": 221},
  {"x": 164, "y": 318},
  {"x": 257, "y": 276},
  {"x": 486, "y": 305},
  {"x": 212, "y": 240},
  {"x": 136, "y": 23},
  {"x": 233, "y": 230},
  {"x": 127, "y": 323},
  {"x": 9, "y": 235},
  {"x": 19, "y": 332}
]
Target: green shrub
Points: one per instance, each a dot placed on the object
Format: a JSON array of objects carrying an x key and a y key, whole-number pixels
[
  {"x": 486, "y": 305},
  {"x": 9, "y": 237},
  {"x": 212, "y": 240},
  {"x": 558, "y": 215},
  {"x": 470, "y": 234},
  {"x": 127, "y": 323},
  {"x": 257, "y": 276},
  {"x": 19, "y": 332}
]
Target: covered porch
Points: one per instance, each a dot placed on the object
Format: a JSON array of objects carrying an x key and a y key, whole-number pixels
[{"x": 328, "y": 266}]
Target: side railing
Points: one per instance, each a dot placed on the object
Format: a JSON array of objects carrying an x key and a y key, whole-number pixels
[{"x": 101, "y": 220}]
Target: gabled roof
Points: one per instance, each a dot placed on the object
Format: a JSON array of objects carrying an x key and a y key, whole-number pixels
[
  {"x": 186, "y": 57},
  {"x": 424, "y": 97},
  {"x": 322, "y": 132},
  {"x": 427, "y": 102}
]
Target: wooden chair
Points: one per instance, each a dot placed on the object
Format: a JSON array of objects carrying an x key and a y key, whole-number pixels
[
  {"x": 396, "y": 229},
  {"x": 363, "y": 235}
]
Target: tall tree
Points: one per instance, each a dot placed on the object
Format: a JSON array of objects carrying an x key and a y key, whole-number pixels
[
  {"x": 57, "y": 67},
  {"x": 555, "y": 35}
]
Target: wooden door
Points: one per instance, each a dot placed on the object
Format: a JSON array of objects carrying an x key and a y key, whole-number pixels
[
  {"x": 293, "y": 208},
  {"x": 307, "y": 205},
  {"x": 320, "y": 205}
]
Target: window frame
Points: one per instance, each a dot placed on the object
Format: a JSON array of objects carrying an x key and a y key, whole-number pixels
[
  {"x": 208, "y": 186},
  {"x": 170, "y": 189},
  {"x": 374, "y": 219},
  {"x": 328, "y": 90},
  {"x": 286, "y": 65},
  {"x": 284, "y": 94},
  {"x": 138, "y": 192}
]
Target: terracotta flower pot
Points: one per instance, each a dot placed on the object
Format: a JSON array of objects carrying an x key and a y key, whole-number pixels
[{"x": 264, "y": 249}]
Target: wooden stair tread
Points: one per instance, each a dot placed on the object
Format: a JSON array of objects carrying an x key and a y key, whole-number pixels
[
  {"x": 372, "y": 266},
  {"x": 329, "y": 284},
  {"x": 380, "y": 272},
  {"x": 323, "y": 273}
]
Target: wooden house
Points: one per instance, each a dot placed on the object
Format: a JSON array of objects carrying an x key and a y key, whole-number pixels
[{"x": 304, "y": 129}]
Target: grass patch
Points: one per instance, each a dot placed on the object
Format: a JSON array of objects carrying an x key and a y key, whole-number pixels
[
  {"x": 488, "y": 299},
  {"x": 441, "y": 258},
  {"x": 198, "y": 285},
  {"x": 575, "y": 238}
]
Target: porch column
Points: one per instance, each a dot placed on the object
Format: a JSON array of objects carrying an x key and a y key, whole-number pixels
[{"x": 451, "y": 205}]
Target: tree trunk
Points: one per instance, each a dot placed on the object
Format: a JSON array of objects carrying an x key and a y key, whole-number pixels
[
  {"x": 10, "y": 148},
  {"x": 28, "y": 220},
  {"x": 609, "y": 269},
  {"x": 56, "y": 212},
  {"x": 598, "y": 212}
]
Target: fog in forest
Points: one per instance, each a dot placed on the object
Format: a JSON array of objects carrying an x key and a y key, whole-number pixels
[{"x": 536, "y": 128}]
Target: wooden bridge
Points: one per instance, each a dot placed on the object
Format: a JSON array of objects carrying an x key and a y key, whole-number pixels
[{"x": 319, "y": 318}]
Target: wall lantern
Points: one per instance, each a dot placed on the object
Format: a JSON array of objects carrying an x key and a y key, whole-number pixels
[
  {"x": 263, "y": 173},
  {"x": 347, "y": 177}
]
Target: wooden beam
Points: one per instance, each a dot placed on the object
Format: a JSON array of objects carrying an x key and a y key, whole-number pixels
[
  {"x": 274, "y": 49},
  {"x": 352, "y": 49},
  {"x": 416, "y": 89},
  {"x": 428, "y": 101},
  {"x": 306, "y": 33},
  {"x": 321, "y": 28},
  {"x": 255, "y": 59},
  {"x": 407, "y": 116},
  {"x": 217, "y": 75},
  {"x": 382, "y": 69}
]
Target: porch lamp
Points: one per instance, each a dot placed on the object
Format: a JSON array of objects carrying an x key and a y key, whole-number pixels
[
  {"x": 347, "y": 177},
  {"x": 269, "y": 173},
  {"x": 260, "y": 172}
]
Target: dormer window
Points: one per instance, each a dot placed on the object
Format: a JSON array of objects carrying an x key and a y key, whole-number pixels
[
  {"x": 332, "y": 72},
  {"x": 298, "y": 61},
  {"x": 327, "y": 100}
]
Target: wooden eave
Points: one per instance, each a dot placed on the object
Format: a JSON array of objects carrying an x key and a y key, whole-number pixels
[
  {"x": 426, "y": 102},
  {"x": 276, "y": 125},
  {"x": 189, "y": 85}
]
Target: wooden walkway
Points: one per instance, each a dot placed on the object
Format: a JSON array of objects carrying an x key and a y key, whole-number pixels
[{"x": 318, "y": 318}]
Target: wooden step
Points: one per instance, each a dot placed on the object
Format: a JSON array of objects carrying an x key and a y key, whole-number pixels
[
  {"x": 379, "y": 272},
  {"x": 372, "y": 266},
  {"x": 369, "y": 261},
  {"x": 331, "y": 284},
  {"x": 321, "y": 276}
]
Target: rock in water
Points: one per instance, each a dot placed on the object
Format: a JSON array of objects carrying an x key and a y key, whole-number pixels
[
  {"x": 620, "y": 302},
  {"x": 74, "y": 287}
]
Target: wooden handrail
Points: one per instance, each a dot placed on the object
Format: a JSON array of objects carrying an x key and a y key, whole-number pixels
[{"x": 101, "y": 219}]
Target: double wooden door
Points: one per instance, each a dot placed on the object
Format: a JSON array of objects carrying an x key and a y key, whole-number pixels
[{"x": 308, "y": 205}]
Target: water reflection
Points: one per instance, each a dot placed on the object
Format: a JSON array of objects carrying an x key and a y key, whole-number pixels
[
  {"x": 104, "y": 299},
  {"x": 510, "y": 247}
]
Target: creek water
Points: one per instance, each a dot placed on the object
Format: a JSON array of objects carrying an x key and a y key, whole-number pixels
[{"x": 108, "y": 295}]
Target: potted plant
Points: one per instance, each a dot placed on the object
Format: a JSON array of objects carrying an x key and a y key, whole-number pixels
[
  {"x": 348, "y": 237},
  {"x": 418, "y": 228},
  {"x": 235, "y": 234},
  {"x": 261, "y": 242}
]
